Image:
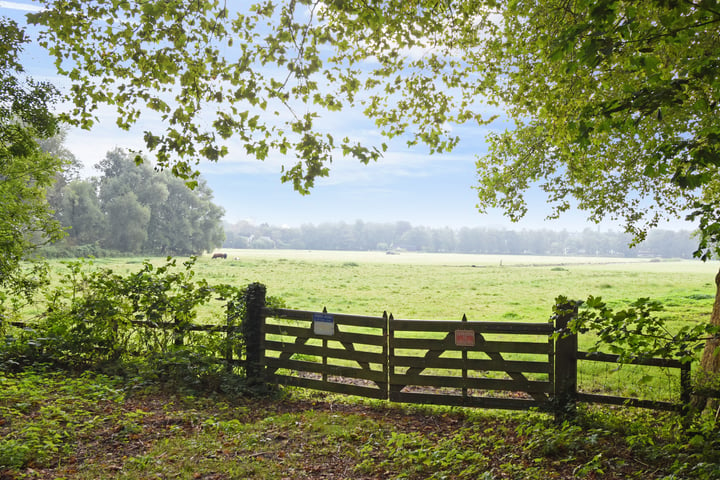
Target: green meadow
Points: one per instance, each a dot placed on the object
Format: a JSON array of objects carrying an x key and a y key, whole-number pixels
[
  {"x": 446, "y": 286},
  {"x": 55, "y": 425},
  {"x": 482, "y": 287}
]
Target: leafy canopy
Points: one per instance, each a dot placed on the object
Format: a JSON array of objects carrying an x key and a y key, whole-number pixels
[
  {"x": 25, "y": 171},
  {"x": 614, "y": 102},
  {"x": 263, "y": 75},
  {"x": 616, "y": 107}
]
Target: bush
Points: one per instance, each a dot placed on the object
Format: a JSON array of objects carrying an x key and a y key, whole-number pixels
[
  {"x": 137, "y": 324},
  {"x": 63, "y": 250}
]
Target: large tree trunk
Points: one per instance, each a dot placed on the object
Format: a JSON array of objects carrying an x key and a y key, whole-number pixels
[{"x": 709, "y": 374}]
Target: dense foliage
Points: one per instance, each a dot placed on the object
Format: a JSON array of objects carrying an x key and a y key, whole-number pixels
[
  {"x": 25, "y": 170},
  {"x": 615, "y": 106},
  {"x": 613, "y": 102},
  {"x": 132, "y": 209},
  {"x": 404, "y": 236},
  {"x": 133, "y": 324}
]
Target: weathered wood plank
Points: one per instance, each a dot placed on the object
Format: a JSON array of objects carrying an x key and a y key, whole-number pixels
[
  {"x": 291, "y": 331},
  {"x": 515, "y": 328},
  {"x": 429, "y": 355},
  {"x": 473, "y": 364},
  {"x": 339, "y": 318},
  {"x": 511, "y": 385},
  {"x": 287, "y": 330},
  {"x": 476, "y": 402},
  {"x": 319, "y": 351},
  {"x": 448, "y": 344},
  {"x": 328, "y": 386},
  {"x": 337, "y": 370}
]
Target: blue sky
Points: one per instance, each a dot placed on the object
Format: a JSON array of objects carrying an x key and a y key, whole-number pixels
[{"x": 405, "y": 185}]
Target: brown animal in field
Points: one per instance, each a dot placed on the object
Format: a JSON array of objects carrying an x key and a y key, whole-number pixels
[{"x": 219, "y": 255}]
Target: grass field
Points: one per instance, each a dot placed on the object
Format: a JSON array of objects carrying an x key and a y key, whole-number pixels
[
  {"x": 491, "y": 288},
  {"x": 93, "y": 426},
  {"x": 446, "y": 286}
]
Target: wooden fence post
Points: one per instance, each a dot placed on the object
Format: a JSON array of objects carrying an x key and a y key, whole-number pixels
[
  {"x": 566, "y": 346},
  {"x": 253, "y": 328},
  {"x": 391, "y": 359},
  {"x": 386, "y": 354},
  {"x": 178, "y": 332},
  {"x": 324, "y": 349},
  {"x": 686, "y": 393}
]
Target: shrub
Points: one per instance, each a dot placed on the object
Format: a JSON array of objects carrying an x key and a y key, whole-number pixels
[{"x": 138, "y": 324}]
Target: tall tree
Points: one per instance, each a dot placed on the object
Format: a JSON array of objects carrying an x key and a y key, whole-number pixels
[
  {"x": 25, "y": 171},
  {"x": 155, "y": 212},
  {"x": 187, "y": 222},
  {"x": 128, "y": 221},
  {"x": 79, "y": 211}
]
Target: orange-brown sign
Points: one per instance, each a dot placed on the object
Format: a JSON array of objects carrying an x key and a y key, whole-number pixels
[{"x": 465, "y": 338}]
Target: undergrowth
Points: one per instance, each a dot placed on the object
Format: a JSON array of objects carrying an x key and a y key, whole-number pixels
[
  {"x": 57, "y": 425},
  {"x": 134, "y": 325}
]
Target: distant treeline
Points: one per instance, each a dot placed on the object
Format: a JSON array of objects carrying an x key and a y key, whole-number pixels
[
  {"x": 132, "y": 209},
  {"x": 403, "y": 236}
]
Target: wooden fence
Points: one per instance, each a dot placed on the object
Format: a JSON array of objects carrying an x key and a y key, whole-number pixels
[
  {"x": 461, "y": 362},
  {"x": 415, "y": 361},
  {"x": 326, "y": 353},
  {"x": 504, "y": 365}
]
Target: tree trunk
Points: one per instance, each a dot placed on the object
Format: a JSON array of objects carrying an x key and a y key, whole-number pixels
[{"x": 709, "y": 374}]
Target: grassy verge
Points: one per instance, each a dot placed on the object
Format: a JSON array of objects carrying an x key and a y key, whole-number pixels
[{"x": 94, "y": 426}]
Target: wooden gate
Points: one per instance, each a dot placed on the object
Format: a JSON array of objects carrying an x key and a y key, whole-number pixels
[
  {"x": 335, "y": 353},
  {"x": 480, "y": 364}
]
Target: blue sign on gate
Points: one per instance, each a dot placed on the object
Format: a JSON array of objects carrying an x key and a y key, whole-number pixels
[{"x": 323, "y": 324}]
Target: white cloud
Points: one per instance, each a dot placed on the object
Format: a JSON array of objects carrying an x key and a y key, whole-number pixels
[{"x": 25, "y": 7}]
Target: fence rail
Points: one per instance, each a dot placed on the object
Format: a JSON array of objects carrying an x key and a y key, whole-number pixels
[
  {"x": 464, "y": 363},
  {"x": 504, "y": 365}
]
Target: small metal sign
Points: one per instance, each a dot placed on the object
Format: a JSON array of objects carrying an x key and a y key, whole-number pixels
[
  {"x": 323, "y": 324},
  {"x": 465, "y": 338}
]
